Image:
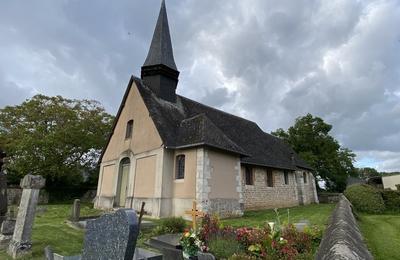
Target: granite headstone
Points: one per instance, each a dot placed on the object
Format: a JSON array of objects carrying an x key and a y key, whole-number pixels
[
  {"x": 76, "y": 210},
  {"x": 112, "y": 236}
]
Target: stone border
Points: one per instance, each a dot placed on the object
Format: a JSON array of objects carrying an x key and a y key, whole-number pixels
[{"x": 342, "y": 238}]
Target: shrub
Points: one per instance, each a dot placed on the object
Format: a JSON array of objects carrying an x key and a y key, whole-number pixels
[
  {"x": 391, "y": 199},
  {"x": 365, "y": 198},
  {"x": 171, "y": 225},
  {"x": 223, "y": 247}
]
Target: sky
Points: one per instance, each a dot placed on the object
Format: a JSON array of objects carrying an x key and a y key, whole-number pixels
[{"x": 268, "y": 61}]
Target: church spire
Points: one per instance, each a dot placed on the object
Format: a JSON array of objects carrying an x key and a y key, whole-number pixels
[{"x": 159, "y": 71}]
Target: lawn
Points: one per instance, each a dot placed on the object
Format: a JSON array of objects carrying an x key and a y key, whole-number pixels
[
  {"x": 50, "y": 227},
  {"x": 382, "y": 234},
  {"x": 317, "y": 214}
]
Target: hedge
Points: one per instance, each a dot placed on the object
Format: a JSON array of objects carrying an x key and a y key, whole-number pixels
[{"x": 365, "y": 198}]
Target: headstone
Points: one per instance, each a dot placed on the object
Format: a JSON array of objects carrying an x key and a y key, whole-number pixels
[
  {"x": 301, "y": 225},
  {"x": 170, "y": 241},
  {"x": 143, "y": 254},
  {"x": 7, "y": 229},
  {"x": 76, "y": 210},
  {"x": 3, "y": 189},
  {"x": 48, "y": 253},
  {"x": 205, "y": 256},
  {"x": 21, "y": 241},
  {"x": 112, "y": 236},
  {"x": 172, "y": 254}
]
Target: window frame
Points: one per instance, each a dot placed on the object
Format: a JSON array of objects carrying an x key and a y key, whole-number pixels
[
  {"x": 286, "y": 177},
  {"x": 129, "y": 129},
  {"x": 305, "y": 178},
  {"x": 180, "y": 160},
  {"x": 270, "y": 178},
  {"x": 248, "y": 175}
]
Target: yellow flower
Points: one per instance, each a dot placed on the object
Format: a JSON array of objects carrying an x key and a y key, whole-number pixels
[{"x": 187, "y": 234}]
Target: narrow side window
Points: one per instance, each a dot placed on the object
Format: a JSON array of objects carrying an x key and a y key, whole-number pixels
[
  {"x": 129, "y": 129},
  {"x": 180, "y": 167}
]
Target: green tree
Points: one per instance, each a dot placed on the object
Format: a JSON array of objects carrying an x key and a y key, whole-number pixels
[
  {"x": 58, "y": 138},
  {"x": 310, "y": 138},
  {"x": 367, "y": 172}
]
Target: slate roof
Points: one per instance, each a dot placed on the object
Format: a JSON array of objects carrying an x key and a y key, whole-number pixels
[
  {"x": 188, "y": 123},
  {"x": 160, "y": 51}
]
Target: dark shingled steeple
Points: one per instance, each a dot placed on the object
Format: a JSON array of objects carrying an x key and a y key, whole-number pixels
[{"x": 159, "y": 71}]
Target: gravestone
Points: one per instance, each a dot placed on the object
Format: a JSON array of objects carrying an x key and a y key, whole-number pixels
[
  {"x": 112, "y": 236},
  {"x": 169, "y": 241},
  {"x": 3, "y": 189},
  {"x": 21, "y": 240},
  {"x": 7, "y": 229},
  {"x": 301, "y": 225},
  {"x": 76, "y": 210}
]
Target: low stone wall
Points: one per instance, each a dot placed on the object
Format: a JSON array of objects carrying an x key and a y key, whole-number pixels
[
  {"x": 342, "y": 238},
  {"x": 14, "y": 196},
  {"x": 328, "y": 197}
]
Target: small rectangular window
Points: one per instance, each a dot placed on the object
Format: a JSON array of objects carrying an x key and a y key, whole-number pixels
[
  {"x": 305, "y": 177},
  {"x": 270, "y": 178},
  {"x": 129, "y": 129},
  {"x": 286, "y": 177},
  {"x": 180, "y": 167},
  {"x": 249, "y": 175}
]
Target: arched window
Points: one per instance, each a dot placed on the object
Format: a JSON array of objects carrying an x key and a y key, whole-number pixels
[
  {"x": 180, "y": 167},
  {"x": 304, "y": 177},
  {"x": 129, "y": 129}
]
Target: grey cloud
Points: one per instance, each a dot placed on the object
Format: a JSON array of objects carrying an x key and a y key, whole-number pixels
[{"x": 270, "y": 61}]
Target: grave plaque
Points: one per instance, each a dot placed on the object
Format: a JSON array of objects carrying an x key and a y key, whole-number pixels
[{"x": 112, "y": 236}]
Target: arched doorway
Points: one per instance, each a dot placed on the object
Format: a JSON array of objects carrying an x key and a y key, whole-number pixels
[{"x": 122, "y": 187}]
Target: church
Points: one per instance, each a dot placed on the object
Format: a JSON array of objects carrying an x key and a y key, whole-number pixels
[{"x": 167, "y": 150}]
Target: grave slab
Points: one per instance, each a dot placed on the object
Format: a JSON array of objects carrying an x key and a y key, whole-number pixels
[{"x": 170, "y": 241}]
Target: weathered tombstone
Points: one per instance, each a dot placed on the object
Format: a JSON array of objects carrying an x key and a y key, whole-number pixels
[
  {"x": 112, "y": 236},
  {"x": 3, "y": 189},
  {"x": 7, "y": 229},
  {"x": 76, "y": 210},
  {"x": 301, "y": 225},
  {"x": 21, "y": 240}
]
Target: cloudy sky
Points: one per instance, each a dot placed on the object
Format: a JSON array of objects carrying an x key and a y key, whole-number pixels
[{"x": 269, "y": 61}]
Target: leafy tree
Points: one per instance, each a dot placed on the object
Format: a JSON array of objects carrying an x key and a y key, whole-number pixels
[
  {"x": 58, "y": 138},
  {"x": 367, "y": 172},
  {"x": 310, "y": 138}
]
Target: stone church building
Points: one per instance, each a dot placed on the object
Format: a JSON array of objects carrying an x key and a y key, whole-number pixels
[{"x": 168, "y": 150}]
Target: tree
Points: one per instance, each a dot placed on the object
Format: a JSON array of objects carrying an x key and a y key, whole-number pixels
[
  {"x": 310, "y": 138},
  {"x": 58, "y": 138},
  {"x": 367, "y": 172}
]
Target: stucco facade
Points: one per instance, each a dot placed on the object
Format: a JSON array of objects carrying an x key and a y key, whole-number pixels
[{"x": 390, "y": 182}]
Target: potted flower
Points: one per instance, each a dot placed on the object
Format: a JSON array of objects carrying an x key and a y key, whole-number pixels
[{"x": 191, "y": 244}]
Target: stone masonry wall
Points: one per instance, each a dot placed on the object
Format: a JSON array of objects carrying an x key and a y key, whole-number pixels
[
  {"x": 342, "y": 238},
  {"x": 259, "y": 195}
]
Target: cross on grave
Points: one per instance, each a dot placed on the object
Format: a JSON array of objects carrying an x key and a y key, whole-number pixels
[{"x": 194, "y": 213}]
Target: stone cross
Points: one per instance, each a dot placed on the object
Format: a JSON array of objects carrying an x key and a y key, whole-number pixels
[
  {"x": 76, "y": 210},
  {"x": 3, "y": 189},
  {"x": 194, "y": 213},
  {"x": 112, "y": 236},
  {"x": 21, "y": 241}
]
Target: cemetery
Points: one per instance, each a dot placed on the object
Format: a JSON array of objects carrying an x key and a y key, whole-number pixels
[{"x": 173, "y": 178}]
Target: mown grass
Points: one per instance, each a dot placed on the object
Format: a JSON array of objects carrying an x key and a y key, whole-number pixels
[
  {"x": 382, "y": 234},
  {"x": 51, "y": 229},
  {"x": 316, "y": 214}
]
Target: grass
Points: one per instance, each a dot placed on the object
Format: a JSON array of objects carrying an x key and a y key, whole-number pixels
[
  {"x": 317, "y": 214},
  {"x": 382, "y": 234},
  {"x": 50, "y": 229}
]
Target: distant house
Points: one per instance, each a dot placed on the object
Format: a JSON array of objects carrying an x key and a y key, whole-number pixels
[
  {"x": 390, "y": 181},
  {"x": 168, "y": 150}
]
